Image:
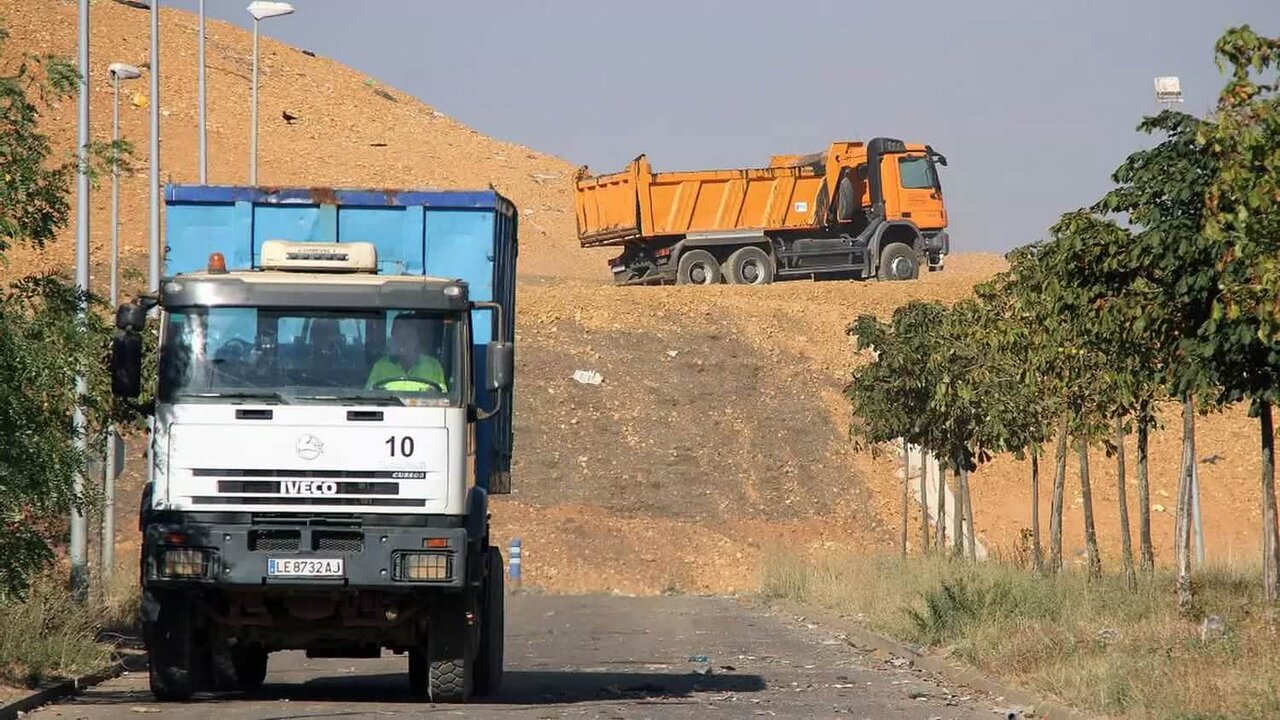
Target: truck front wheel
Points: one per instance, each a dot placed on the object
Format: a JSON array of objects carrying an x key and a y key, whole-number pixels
[
  {"x": 171, "y": 653},
  {"x": 697, "y": 267},
  {"x": 898, "y": 262},
  {"x": 441, "y": 668}
]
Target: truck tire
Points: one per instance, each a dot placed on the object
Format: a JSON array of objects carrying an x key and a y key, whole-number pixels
[
  {"x": 697, "y": 267},
  {"x": 846, "y": 202},
  {"x": 171, "y": 654},
  {"x": 748, "y": 266},
  {"x": 251, "y": 667},
  {"x": 492, "y": 629},
  {"x": 441, "y": 670},
  {"x": 898, "y": 261},
  {"x": 238, "y": 668}
]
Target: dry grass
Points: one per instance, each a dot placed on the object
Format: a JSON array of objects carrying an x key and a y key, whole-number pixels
[
  {"x": 1096, "y": 646},
  {"x": 47, "y": 636}
]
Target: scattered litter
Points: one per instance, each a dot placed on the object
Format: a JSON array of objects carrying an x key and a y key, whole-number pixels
[
  {"x": 1108, "y": 635},
  {"x": 728, "y": 668},
  {"x": 899, "y": 662},
  {"x": 588, "y": 377},
  {"x": 1158, "y": 508},
  {"x": 144, "y": 710},
  {"x": 701, "y": 663},
  {"x": 308, "y": 53},
  {"x": 672, "y": 353}
]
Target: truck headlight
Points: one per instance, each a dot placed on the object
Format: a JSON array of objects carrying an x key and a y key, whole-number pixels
[
  {"x": 184, "y": 562},
  {"x": 423, "y": 566}
]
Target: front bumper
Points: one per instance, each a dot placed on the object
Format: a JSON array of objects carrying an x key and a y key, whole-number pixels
[{"x": 236, "y": 555}]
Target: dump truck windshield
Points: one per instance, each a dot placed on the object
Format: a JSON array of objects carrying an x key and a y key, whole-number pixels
[
  {"x": 294, "y": 354},
  {"x": 918, "y": 173}
]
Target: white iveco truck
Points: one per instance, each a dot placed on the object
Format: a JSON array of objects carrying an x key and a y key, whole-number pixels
[{"x": 312, "y": 482}]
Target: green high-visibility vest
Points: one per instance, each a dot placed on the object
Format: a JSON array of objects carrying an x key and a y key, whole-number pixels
[{"x": 426, "y": 369}]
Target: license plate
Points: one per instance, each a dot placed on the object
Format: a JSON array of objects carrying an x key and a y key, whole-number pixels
[{"x": 304, "y": 567}]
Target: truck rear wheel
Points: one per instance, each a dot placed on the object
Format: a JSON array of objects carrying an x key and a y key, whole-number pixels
[
  {"x": 748, "y": 266},
  {"x": 492, "y": 630},
  {"x": 251, "y": 667},
  {"x": 898, "y": 261},
  {"x": 697, "y": 267}
]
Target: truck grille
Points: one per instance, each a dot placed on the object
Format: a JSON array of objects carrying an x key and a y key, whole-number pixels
[
  {"x": 316, "y": 500},
  {"x": 343, "y": 542},
  {"x": 274, "y": 540}
]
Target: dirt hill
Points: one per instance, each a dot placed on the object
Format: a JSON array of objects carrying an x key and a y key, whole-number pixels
[{"x": 719, "y": 429}]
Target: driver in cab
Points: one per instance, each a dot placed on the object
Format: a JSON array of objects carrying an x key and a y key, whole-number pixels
[{"x": 405, "y": 367}]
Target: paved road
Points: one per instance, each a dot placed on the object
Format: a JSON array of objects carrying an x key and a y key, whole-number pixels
[{"x": 598, "y": 657}]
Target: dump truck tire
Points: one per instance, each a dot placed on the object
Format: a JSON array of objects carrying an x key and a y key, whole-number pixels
[
  {"x": 748, "y": 266},
  {"x": 697, "y": 267},
  {"x": 846, "y": 202},
  {"x": 898, "y": 262}
]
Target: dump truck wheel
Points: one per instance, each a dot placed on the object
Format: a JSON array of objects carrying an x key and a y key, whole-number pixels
[
  {"x": 748, "y": 266},
  {"x": 846, "y": 202},
  {"x": 898, "y": 262},
  {"x": 697, "y": 267}
]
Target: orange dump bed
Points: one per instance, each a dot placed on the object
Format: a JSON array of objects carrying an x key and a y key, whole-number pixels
[{"x": 637, "y": 202}]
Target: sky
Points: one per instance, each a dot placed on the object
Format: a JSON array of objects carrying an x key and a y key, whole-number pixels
[{"x": 1034, "y": 102}]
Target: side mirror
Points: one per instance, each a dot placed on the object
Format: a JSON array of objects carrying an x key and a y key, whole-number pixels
[
  {"x": 501, "y": 365},
  {"x": 131, "y": 317},
  {"x": 126, "y": 364}
]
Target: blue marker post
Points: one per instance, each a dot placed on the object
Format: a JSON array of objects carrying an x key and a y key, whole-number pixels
[{"x": 514, "y": 564}]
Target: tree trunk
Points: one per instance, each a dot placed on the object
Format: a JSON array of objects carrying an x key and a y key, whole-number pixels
[
  {"x": 957, "y": 537},
  {"x": 1037, "y": 554},
  {"x": 968, "y": 516},
  {"x": 906, "y": 493},
  {"x": 940, "y": 521},
  {"x": 1086, "y": 498},
  {"x": 1055, "y": 509},
  {"x": 1144, "y": 493},
  {"x": 1270, "y": 536},
  {"x": 1182, "y": 527},
  {"x": 1126, "y": 542},
  {"x": 924, "y": 503}
]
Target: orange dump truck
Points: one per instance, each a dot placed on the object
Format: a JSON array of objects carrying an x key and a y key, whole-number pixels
[{"x": 860, "y": 210}]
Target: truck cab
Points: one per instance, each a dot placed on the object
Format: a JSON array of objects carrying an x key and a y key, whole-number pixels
[{"x": 312, "y": 481}]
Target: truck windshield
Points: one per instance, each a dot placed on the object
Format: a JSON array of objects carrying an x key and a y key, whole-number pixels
[
  {"x": 918, "y": 173},
  {"x": 302, "y": 354}
]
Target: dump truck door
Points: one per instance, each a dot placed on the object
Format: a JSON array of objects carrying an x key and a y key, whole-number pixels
[{"x": 919, "y": 192}]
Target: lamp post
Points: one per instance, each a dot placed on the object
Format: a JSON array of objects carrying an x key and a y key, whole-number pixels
[
  {"x": 200, "y": 101},
  {"x": 119, "y": 72},
  {"x": 1169, "y": 93},
  {"x": 260, "y": 10},
  {"x": 79, "y": 549}
]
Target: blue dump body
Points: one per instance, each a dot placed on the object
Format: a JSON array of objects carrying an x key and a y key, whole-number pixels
[{"x": 470, "y": 236}]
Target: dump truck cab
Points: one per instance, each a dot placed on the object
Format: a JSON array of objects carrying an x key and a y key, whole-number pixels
[
  {"x": 313, "y": 477},
  {"x": 859, "y": 209}
]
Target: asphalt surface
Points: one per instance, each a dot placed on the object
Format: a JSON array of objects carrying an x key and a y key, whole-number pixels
[{"x": 598, "y": 657}]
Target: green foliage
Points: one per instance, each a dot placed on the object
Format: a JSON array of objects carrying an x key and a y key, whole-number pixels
[
  {"x": 47, "y": 339},
  {"x": 1241, "y": 339}
]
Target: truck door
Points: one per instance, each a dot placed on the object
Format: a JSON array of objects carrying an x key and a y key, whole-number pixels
[{"x": 919, "y": 192}]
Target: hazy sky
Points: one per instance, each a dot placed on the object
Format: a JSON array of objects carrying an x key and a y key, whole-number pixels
[{"x": 1032, "y": 101}]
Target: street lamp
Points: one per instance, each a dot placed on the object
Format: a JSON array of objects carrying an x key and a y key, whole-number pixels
[
  {"x": 118, "y": 72},
  {"x": 200, "y": 100},
  {"x": 260, "y": 10}
]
